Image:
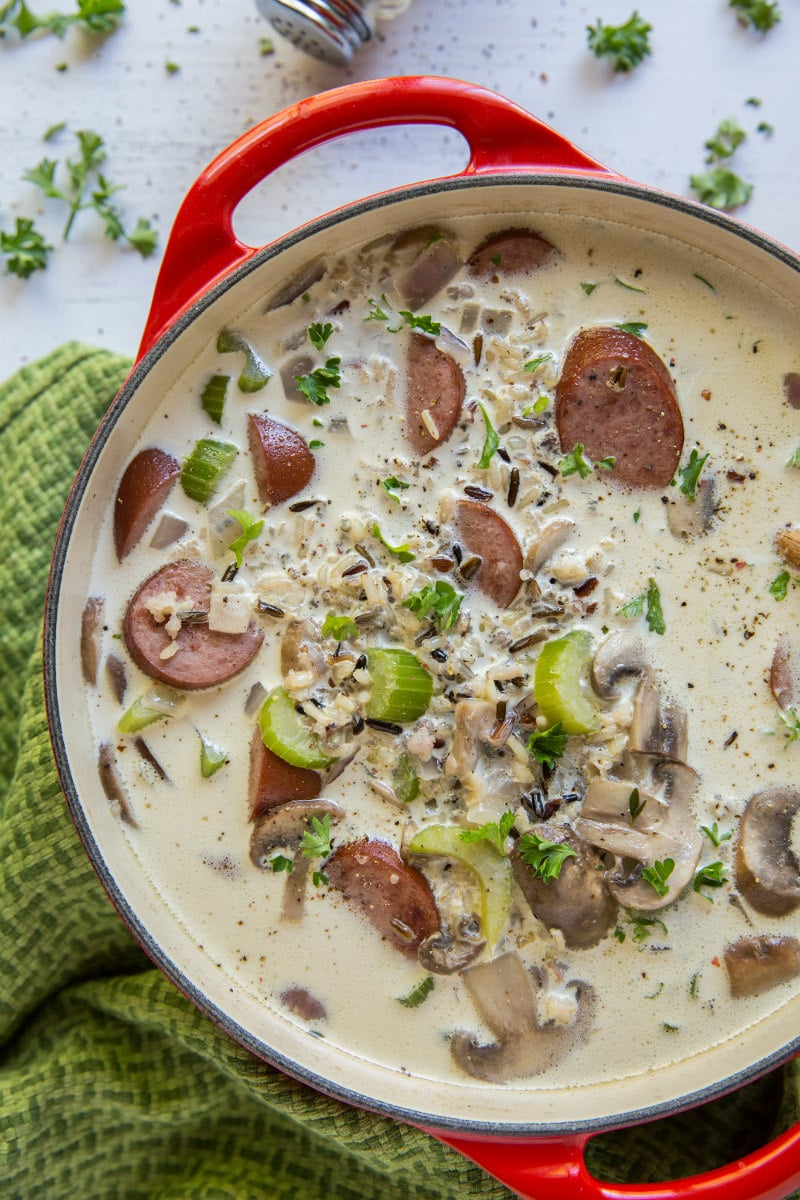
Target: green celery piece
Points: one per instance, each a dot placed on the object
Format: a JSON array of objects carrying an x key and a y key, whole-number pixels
[
  {"x": 213, "y": 396},
  {"x": 492, "y": 870},
  {"x": 255, "y": 372},
  {"x": 558, "y": 686},
  {"x": 401, "y": 687},
  {"x": 283, "y": 732},
  {"x": 205, "y": 466}
]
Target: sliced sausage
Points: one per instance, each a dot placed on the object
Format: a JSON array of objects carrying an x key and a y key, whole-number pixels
[
  {"x": 273, "y": 781},
  {"x": 282, "y": 461},
  {"x": 576, "y": 902},
  {"x": 512, "y": 252},
  {"x": 204, "y": 657},
  {"x": 395, "y": 898},
  {"x": 435, "y": 391},
  {"x": 146, "y": 482},
  {"x": 483, "y": 532},
  {"x": 615, "y": 396}
]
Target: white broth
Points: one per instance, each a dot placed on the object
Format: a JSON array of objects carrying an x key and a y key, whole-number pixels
[{"x": 660, "y": 986}]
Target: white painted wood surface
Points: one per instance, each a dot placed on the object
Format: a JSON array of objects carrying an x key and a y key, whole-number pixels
[{"x": 162, "y": 128}]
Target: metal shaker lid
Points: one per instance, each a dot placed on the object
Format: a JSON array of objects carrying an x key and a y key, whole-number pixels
[{"x": 331, "y": 30}]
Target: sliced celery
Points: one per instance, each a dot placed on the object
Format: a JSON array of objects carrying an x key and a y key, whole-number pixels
[
  {"x": 205, "y": 466},
  {"x": 255, "y": 372},
  {"x": 160, "y": 703},
  {"x": 211, "y": 757},
  {"x": 213, "y": 396},
  {"x": 558, "y": 685},
  {"x": 492, "y": 870},
  {"x": 401, "y": 687},
  {"x": 405, "y": 781},
  {"x": 284, "y": 733}
]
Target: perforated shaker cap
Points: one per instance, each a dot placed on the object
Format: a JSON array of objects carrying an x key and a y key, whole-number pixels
[{"x": 331, "y": 30}]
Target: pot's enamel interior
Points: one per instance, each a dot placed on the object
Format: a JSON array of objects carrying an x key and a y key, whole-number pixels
[{"x": 529, "y": 1106}]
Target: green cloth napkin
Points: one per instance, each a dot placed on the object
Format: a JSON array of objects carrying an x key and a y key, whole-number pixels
[{"x": 112, "y": 1085}]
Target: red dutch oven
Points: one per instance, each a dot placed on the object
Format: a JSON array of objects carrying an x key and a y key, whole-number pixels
[{"x": 532, "y": 1140}]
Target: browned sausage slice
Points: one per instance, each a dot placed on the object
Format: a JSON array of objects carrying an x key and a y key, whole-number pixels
[
  {"x": 435, "y": 391},
  {"x": 395, "y": 898},
  {"x": 282, "y": 461},
  {"x": 146, "y": 482},
  {"x": 615, "y": 396},
  {"x": 514, "y": 251},
  {"x": 482, "y": 531},
  {"x": 273, "y": 781},
  {"x": 205, "y": 657}
]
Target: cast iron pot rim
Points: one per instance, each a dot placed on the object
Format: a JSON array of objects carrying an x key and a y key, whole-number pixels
[{"x": 174, "y": 973}]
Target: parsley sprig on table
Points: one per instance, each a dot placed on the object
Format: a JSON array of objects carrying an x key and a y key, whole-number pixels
[
  {"x": 760, "y": 14},
  {"x": 95, "y": 16},
  {"x": 83, "y": 186},
  {"x": 720, "y": 187},
  {"x": 625, "y": 46},
  {"x": 25, "y": 249}
]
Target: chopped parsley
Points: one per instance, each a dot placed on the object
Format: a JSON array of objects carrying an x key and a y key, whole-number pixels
[
  {"x": 533, "y": 364},
  {"x": 635, "y": 805},
  {"x": 251, "y": 528},
  {"x": 760, "y": 14},
  {"x": 589, "y": 287},
  {"x": 393, "y": 485},
  {"x": 319, "y": 879},
  {"x": 545, "y": 858},
  {"x": 404, "y": 552},
  {"x": 794, "y": 459},
  {"x": 779, "y": 588},
  {"x": 341, "y": 629},
  {"x": 578, "y": 462},
  {"x": 314, "y": 386},
  {"x": 440, "y": 599},
  {"x": 637, "y": 328},
  {"x": 493, "y": 832},
  {"x": 424, "y": 324},
  {"x": 643, "y": 926},
  {"x": 281, "y": 863},
  {"x": 492, "y": 443},
  {"x": 96, "y": 16},
  {"x": 625, "y": 46},
  {"x": 791, "y": 721},
  {"x": 713, "y": 834},
  {"x": 546, "y": 745},
  {"x": 630, "y": 287},
  {"x": 376, "y": 313},
  {"x": 713, "y": 876},
  {"x": 24, "y": 250},
  {"x": 317, "y": 840},
  {"x": 658, "y": 874},
  {"x": 418, "y": 994},
  {"x": 319, "y": 333},
  {"x": 649, "y": 604},
  {"x": 690, "y": 474},
  {"x": 728, "y": 137},
  {"x": 721, "y": 188}
]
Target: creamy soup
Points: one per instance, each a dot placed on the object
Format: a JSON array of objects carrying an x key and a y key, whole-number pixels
[{"x": 448, "y": 760}]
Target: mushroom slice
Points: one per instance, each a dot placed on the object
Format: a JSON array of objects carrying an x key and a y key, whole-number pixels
[
  {"x": 91, "y": 633},
  {"x": 758, "y": 962},
  {"x": 504, "y": 994},
  {"x": 442, "y": 953},
  {"x": 663, "y": 829},
  {"x": 284, "y": 826},
  {"x": 659, "y": 725},
  {"x": 113, "y": 786},
  {"x": 689, "y": 519},
  {"x": 576, "y": 902},
  {"x": 620, "y": 654},
  {"x": 766, "y": 868},
  {"x": 783, "y": 674},
  {"x": 473, "y": 723},
  {"x": 546, "y": 542},
  {"x": 301, "y": 649},
  {"x": 426, "y": 259}
]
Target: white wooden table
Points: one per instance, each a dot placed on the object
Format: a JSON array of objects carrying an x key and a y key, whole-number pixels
[{"x": 161, "y": 127}]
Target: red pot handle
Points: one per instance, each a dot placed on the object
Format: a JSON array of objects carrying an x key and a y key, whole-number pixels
[
  {"x": 202, "y": 246},
  {"x": 555, "y": 1170}
]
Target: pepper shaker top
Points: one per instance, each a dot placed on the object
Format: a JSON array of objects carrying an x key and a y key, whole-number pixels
[{"x": 331, "y": 30}]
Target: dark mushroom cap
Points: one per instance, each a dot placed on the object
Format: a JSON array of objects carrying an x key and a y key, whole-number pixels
[{"x": 765, "y": 866}]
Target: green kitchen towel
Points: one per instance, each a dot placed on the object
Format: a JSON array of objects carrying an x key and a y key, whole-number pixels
[{"x": 112, "y": 1085}]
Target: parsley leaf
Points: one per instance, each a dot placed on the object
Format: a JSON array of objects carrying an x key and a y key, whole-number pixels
[
  {"x": 779, "y": 588},
  {"x": 654, "y": 614},
  {"x": 760, "y": 14},
  {"x": 492, "y": 443},
  {"x": 423, "y": 324},
  {"x": 545, "y": 858},
  {"x": 494, "y": 832},
  {"x": 713, "y": 834},
  {"x": 393, "y": 485},
  {"x": 644, "y": 925},
  {"x": 637, "y": 328},
  {"x": 634, "y": 607},
  {"x": 624, "y": 45},
  {"x": 319, "y": 333},
  {"x": 728, "y": 137},
  {"x": 96, "y": 16},
  {"x": 251, "y": 528},
  {"x": 546, "y": 745},
  {"x": 341, "y": 629},
  {"x": 721, "y": 188},
  {"x": 534, "y": 363},
  {"x": 376, "y": 313},
  {"x": 281, "y": 863},
  {"x": 317, "y": 840},
  {"x": 794, "y": 458},
  {"x": 658, "y": 874},
  {"x": 690, "y": 474},
  {"x": 319, "y": 879},
  {"x": 417, "y": 994},
  {"x": 25, "y": 250},
  {"x": 791, "y": 720},
  {"x": 576, "y": 461},
  {"x": 439, "y": 598},
  {"x": 589, "y": 287},
  {"x": 404, "y": 553},
  {"x": 712, "y": 875},
  {"x": 635, "y": 804},
  {"x": 315, "y": 385}
]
